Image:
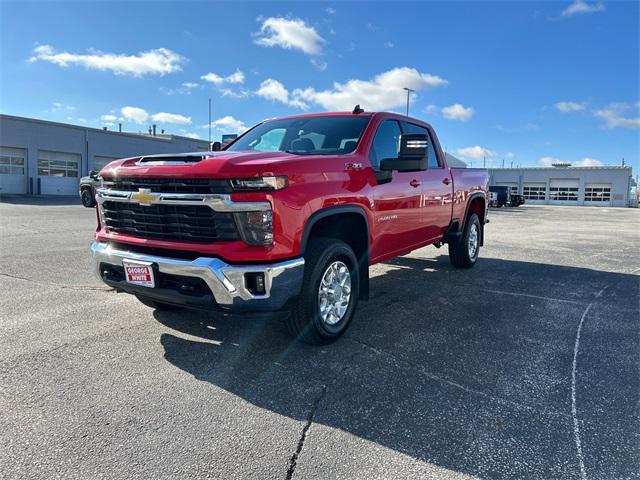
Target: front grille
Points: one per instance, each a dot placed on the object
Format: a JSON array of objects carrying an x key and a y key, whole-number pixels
[
  {"x": 195, "y": 223},
  {"x": 171, "y": 185}
]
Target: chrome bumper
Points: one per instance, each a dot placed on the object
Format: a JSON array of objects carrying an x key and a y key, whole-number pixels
[{"x": 227, "y": 282}]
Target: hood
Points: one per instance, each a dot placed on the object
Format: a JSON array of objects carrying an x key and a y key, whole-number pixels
[{"x": 201, "y": 164}]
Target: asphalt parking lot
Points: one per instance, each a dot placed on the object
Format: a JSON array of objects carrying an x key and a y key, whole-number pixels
[{"x": 526, "y": 366}]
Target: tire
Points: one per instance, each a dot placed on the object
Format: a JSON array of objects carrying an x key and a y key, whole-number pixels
[
  {"x": 87, "y": 198},
  {"x": 157, "y": 305},
  {"x": 324, "y": 263},
  {"x": 460, "y": 253}
]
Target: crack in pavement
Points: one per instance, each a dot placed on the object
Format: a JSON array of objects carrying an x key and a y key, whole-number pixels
[
  {"x": 294, "y": 458},
  {"x": 68, "y": 287}
]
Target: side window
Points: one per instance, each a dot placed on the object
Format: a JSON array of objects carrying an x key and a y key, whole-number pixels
[
  {"x": 386, "y": 143},
  {"x": 432, "y": 160}
]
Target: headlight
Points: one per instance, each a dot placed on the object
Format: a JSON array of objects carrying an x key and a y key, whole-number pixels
[
  {"x": 256, "y": 228},
  {"x": 259, "y": 183}
]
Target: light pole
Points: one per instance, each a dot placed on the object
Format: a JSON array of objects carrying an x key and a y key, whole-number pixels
[
  {"x": 409, "y": 92},
  {"x": 209, "y": 121}
]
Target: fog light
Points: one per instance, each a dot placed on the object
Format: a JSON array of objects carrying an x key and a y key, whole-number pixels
[{"x": 254, "y": 282}]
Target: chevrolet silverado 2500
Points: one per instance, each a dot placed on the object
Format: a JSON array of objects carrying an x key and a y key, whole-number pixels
[{"x": 287, "y": 217}]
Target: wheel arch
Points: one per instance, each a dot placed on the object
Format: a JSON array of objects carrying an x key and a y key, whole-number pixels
[{"x": 348, "y": 223}]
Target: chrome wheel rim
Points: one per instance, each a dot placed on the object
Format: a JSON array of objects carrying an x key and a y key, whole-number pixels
[
  {"x": 334, "y": 293},
  {"x": 473, "y": 241}
]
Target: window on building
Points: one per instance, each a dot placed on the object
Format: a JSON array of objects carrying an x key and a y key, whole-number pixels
[
  {"x": 597, "y": 193},
  {"x": 534, "y": 192},
  {"x": 432, "y": 161},
  {"x": 386, "y": 143},
  {"x": 58, "y": 164},
  {"x": 563, "y": 194},
  {"x": 12, "y": 160}
]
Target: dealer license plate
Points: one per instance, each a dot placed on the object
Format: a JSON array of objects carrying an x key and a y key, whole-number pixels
[{"x": 139, "y": 273}]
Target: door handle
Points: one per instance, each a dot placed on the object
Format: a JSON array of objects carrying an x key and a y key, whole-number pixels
[
  {"x": 414, "y": 183},
  {"x": 446, "y": 181}
]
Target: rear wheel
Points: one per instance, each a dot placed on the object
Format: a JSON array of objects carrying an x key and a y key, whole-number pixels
[
  {"x": 157, "y": 305},
  {"x": 330, "y": 289},
  {"x": 463, "y": 252},
  {"x": 87, "y": 198}
]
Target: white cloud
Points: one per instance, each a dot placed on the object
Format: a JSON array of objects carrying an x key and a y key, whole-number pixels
[
  {"x": 228, "y": 124},
  {"x": 613, "y": 115},
  {"x": 190, "y": 85},
  {"x": 476, "y": 152},
  {"x": 275, "y": 91},
  {"x": 509, "y": 155},
  {"x": 585, "y": 162},
  {"x": 187, "y": 134},
  {"x": 384, "y": 91},
  {"x": 580, "y": 7},
  {"x": 236, "y": 77},
  {"x": 58, "y": 107},
  {"x": 568, "y": 107},
  {"x": 108, "y": 118},
  {"x": 292, "y": 34},
  {"x": 319, "y": 64},
  {"x": 458, "y": 112},
  {"x": 389, "y": 44},
  {"x": 164, "y": 117},
  {"x": 134, "y": 114},
  {"x": 159, "y": 61},
  {"x": 330, "y": 10}
]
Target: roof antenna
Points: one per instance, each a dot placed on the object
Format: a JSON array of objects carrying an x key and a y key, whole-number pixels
[{"x": 357, "y": 110}]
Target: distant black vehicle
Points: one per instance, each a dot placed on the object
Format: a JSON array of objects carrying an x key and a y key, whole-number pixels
[
  {"x": 502, "y": 197},
  {"x": 517, "y": 200},
  {"x": 88, "y": 186}
]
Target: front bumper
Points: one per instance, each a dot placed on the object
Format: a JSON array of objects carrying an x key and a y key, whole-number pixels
[{"x": 225, "y": 284}]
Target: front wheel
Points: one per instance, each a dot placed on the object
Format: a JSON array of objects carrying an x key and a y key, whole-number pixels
[
  {"x": 330, "y": 289},
  {"x": 87, "y": 198},
  {"x": 463, "y": 252}
]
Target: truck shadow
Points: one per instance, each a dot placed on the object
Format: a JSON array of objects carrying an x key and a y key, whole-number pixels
[{"x": 464, "y": 370}]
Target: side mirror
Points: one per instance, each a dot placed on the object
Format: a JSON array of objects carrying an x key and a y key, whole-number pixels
[
  {"x": 93, "y": 173},
  {"x": 216, "y": 146},
  {"x": 414, "y": 149}
]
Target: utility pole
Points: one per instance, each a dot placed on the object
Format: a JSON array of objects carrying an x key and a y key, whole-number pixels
[
  {"x": 484, "y": 162},
  {"x": 209, "y": 120},
  {"x": 511, "y": 163},
  {"x": 503, "y": 163},
  {"x": 409, "y": 92}
]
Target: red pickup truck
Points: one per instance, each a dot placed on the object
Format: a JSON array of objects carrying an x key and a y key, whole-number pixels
[{"x": 287, "y": 217}]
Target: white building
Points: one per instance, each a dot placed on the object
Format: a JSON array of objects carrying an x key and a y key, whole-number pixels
[
  {"x": 606, "y": 186},
  {"x": 48, "y": 158}
]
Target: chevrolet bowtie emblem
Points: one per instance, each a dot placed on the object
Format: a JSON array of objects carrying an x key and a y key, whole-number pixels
[{"x": 144, "y": 196}]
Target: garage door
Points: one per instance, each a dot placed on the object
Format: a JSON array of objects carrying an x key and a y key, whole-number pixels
[
  {"x": 58, "y": 172},
  {"x": 13, "y": 178},
  {"x": 535, "y": 193},
  {"x": 597, "y": 194},
  {"x": 563, "y": 191}
]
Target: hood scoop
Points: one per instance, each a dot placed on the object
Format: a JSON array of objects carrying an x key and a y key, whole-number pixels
[{"x": 171, "y": 159}]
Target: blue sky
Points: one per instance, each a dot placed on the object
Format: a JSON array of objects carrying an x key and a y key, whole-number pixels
[{"x": 527, "y": 82}]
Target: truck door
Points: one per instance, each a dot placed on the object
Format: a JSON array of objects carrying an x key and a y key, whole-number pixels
[
  {"x": 437, "y": 187},
  {"x": 399, "y": 222}
]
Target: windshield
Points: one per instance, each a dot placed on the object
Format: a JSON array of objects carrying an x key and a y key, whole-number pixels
[{"x": 330, "y": 135}]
